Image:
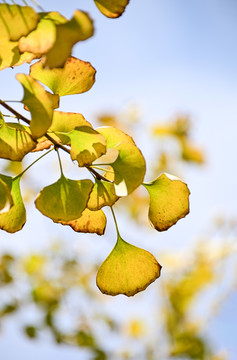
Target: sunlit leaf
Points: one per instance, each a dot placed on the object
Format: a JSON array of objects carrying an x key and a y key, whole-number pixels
[
  {"x": 127, "y": 270},
  {"x": 40, "y": 103},
  {"x": 89, "y": 222},
  {"x": 15, "y": 140},
  {"x": 41, "y": 40},
  {"x": 13, "y": 219},
  {"x": 64, "y": 200},
  {"x": 111, "y": 8},
  {"x": 17, "y": 21},
  {"x": 86, "y": 144},
  {"x": 5, "y": 195},
  {"x": 169, "y": 201},
  {"x": 75, "y": 77},
  {"x": 129, "y": 167},
  {"x": 103, "y": 194},
  {"x": 79, "y": 28}
]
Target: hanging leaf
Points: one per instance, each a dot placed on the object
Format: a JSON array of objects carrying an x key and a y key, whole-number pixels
[
  {"x": 89, "y": 222},
  {"x": 169, "y": 201},
  {"x": 64, "y": 200},
  {"x": 17, "y": 21},
  {"x": 75, "y": 77},
  {"x": 111, "y": 8},
  {"x": 86, "y": 144},
  {"x": 129, "y": 167},
  {"x": 5, "y": 195},
  {"x": 13, "y": 219},
  {"x": 79, "y": 28},
  {"x": 40, "y": 103},
  {"x": 15, "y": 140},
  {"x": 41, "y": 40},
  {"x": 127, "y": 270},
  {"x": 103, "y": 194}
]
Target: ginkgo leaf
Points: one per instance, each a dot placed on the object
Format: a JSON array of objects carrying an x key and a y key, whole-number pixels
[
  {"x": 169, "y": 201},
  {"x": 86, "y": 144},
  {"x": 15, "y": 140},
  {"x": 11, "y": 56},
  {"x": 103, "y": 194},
  {"x": 111, "y": 8},
  {"x": 75, "y": 77},
  {"x": 127, "y": 270},
  {"x": 89, "y": 222},
  {"x": 79, "y": 28},
  {"x": 129, "y": 167},
  {"x": 41, "y": 40},
  {"x": 64, "y": 200},
  {"x": 13, "y": 219},
  {"x": 40, "y": 103},
  {"x": 5, "y": 195},
  {"x": 17, "y": 21}
]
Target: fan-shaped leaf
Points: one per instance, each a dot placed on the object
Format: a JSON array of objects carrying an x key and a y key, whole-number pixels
[
  {"x": 14, "y": 219},
  {"x": 111, "y": 8},
  {"x": 15, "y": 140},
  {"x": 103, "y": 194},
  {"x": 17, "y": 21},
  {"x": 89, "y": 222},
  {"x": 169, "y": 201},
  {"x": 5, "y": 195},
  {"x": 40, "y": 103},
  {"x": 127, "y": 270},
  {"x": 129, "y": 167},
  {"x": 75, "y": 77},
  {"x": 64, "y": 200}
]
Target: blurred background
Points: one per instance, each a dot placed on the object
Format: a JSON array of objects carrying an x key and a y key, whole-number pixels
[{"x": 166, "y": 74}]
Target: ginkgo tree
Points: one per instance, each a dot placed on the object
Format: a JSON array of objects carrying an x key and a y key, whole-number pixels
[{"x": 116, "y": 166}]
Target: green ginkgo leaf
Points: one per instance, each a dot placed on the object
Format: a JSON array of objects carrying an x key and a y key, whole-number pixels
[
  {"x": 64, "y": 200},
  {"x": 93, "y": 222},
  {"x": 127, "y": 270},
  {"x": 86, "y": 144},
  {"x": 5, "y": 195},
  {"x": 17, "y": 21},
  {"x": 103, "y": 194},
  {"x": 40, "y": 103},
  {"x": 75, "y": 77},
  {"x": 15, "y": 140},
  {"x": 129, "y": 167},
  {"x": 41, "y": 40},
  {"x": 13, "y": 219},
  {"x": 111, "y": 8},
  {"x": 79, "y": 28},
  {"x": 169, "y": 201}
]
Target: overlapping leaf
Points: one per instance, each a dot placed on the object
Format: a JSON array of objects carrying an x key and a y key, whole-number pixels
[
  {"x": 103, "y": 194},
  {"x": 40, "y": 103},
  {"x": 75, "y": 77},
  {"x": 89, "y": 222},
  {"x": 5, "y": 195},
  {"x": 79, "y": 28},
  {"x": 64, "y": 200},
  {"x": 111, "y": 8},
  {"x": 127, "y": 270},
  {"x": 15, "y": 140},
  {"x": 13, "y": 219},
  {"x": 169, "y": 201},
  {"x": 11, "y": 56},
  {"x": 129, "y": 167}
]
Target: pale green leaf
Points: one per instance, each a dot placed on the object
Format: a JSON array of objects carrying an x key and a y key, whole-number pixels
[
  {"x": 40, "y": 103},
  {"x": 15, "y": 140},
  {"x": 89, "y": 222},
  {"x": 103, "y": 194},
  {"x": 111, "y": 8},
  {"x": 5, "y": 195},
  {"x": 64, "y": 200},
  {"x": 169, "y": 201},
  {"x": 127, "y": 270},
  {"x": 75, "y": 77},
  {"x": 13, "y": 219},
  {"x": 17, "y": 21}
]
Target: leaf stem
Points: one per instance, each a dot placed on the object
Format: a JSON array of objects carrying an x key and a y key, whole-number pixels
[
  {"x": 27, "y": 168},
  {"x": 60, "y": 162},
  {"x": 115, "y": 221}
]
